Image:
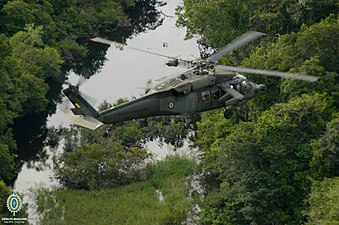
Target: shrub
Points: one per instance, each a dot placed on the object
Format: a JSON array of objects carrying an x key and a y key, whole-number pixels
[{"x": 95, "y": 166}]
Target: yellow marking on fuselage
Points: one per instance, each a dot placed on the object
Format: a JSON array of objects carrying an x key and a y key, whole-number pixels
[{"x": 77, "y": 105}]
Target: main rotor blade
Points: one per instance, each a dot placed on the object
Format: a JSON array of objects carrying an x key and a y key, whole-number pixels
[
  {"x": 271, "y": 73},
  {"x": 81, "y": 80},
  {"x": 235, "y": 44},
  {"x": 122, "y": 46}
]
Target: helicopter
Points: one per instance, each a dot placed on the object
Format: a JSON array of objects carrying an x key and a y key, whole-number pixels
[{"x": 204, "y": 86}]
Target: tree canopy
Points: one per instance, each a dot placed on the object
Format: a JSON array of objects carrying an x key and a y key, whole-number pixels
[
  {"x": 40, "y": 42},
  {"x": 274, "y": 162},
  {"x": 263, "y": 161}
]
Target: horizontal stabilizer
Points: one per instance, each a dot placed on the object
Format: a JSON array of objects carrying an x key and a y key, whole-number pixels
[
  {"x": 84, "y": 121},
  {"x": 76, "y": 111},
  {"x": 87, "y": 121}
]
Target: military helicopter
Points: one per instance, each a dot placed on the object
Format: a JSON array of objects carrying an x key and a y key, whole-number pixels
[{"x": 205, "y": 86}]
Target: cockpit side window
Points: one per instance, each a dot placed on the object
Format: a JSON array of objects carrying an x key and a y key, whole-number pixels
[
  {"x": 246, "y": 85},
  {"x": 205, "y": 96}
]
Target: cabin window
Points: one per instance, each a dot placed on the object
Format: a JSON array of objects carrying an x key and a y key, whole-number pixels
[
  {"x": 216, "y": 94},
  {"x": 238, "y": 87},
  {"x": 205, "y": 96}
]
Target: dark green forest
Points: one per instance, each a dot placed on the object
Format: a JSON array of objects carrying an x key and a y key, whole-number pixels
[
  {"x": 40, "y": 42},
  {"x": 269, "y": 161},
  {"x": 276, "y": 161}
]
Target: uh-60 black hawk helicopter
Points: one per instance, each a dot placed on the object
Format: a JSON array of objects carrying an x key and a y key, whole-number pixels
[{"x": 205, "y": 86}]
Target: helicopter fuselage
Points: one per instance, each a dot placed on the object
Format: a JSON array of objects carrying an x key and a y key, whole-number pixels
[
  {"x": 205, "y": 86},
  {"x": 186, "y": 97},
  {"x": 191, "y": 92},
  {"x": 159, "y": 104}
]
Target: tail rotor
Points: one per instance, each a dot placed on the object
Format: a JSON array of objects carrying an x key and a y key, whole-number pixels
[{"x": 82, "y": 112}]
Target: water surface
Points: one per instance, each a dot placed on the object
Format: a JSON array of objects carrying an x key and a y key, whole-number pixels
[{"x": 122, "y": 75}]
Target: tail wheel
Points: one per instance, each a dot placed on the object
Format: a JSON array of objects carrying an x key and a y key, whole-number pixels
[{"x": 228, "y": 113}]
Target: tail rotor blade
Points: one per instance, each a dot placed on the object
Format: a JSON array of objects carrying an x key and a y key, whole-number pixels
[
  {"x": 65, "y": 103},
  {"x": 81, "y": 81}
]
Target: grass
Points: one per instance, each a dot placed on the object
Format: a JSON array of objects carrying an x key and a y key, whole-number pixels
[{"x": 131, "y": 204}]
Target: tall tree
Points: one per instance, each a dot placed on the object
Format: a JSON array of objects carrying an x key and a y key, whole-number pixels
[{"x": 263, "y": 166}]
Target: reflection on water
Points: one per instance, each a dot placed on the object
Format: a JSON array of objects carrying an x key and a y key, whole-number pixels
[
  {"x": 31, "y": 131},
  {"x": 116, "y": 74}
]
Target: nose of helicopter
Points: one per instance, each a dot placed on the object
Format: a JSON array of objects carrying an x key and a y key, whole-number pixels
[
  {"x": 260, "y": 87},
  {"x": 257, "y": 87}
]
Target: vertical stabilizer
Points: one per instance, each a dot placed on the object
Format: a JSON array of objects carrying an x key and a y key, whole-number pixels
[{"x": 83, "y": 113}]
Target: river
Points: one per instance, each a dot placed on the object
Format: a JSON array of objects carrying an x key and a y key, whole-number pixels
[{"x": 121, "y": 76}]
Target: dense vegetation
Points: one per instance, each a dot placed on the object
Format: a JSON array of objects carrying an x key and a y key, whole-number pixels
[
  {"x": 113, "y": 155},
  {"x": 276, "y": 161},
  {"x": 269, "y": 158},
  {"x": 136, "y": 203},
  {"x": 40, "y": 42},
  {"x": 324, "y": 207}
]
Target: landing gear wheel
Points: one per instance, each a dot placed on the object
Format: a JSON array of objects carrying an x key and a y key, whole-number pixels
[{"x": 228, "y": 113}]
